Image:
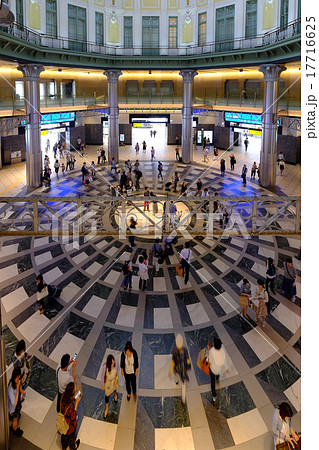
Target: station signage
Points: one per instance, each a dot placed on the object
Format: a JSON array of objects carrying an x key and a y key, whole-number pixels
[{"x": 241, "y": 117}]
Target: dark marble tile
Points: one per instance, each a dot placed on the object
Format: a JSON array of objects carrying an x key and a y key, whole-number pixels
[
  {"x": 232, "y": 278},
  {"x": 160, "y": 344},
  {"x": 276, "y": 396},
  {"x": 281, "y": 374},
  {"x": 196, "y": 265},
  {"x": 219, "y": 250},
  {"x": 98, "y": 290},
  {"x": 279, "y": 327},
  {"x": 101, "y": 259},
  {"x": 28, "y": 283},
  {"x": 114, "y": 311},
  {"x": 56, "y": 251},
  {"x": 188, "y": 298},
  {"x": 10, "y": 342},
  {"x": 218, "y": 425},
  {"x": 209, "y": 259},
  {"x": 297, "y": 346},
  {"x": 24, "y": 264},
  {"x": 79, "y": 279},
  {"x": 232, "y": 400},
  {"x": 144, "y": 431},
  {"x": 172, "y": 276},
  {"x": 237, "y": 326},
  {"x": 194, "y": 274},
  {"x": 146, "y": 372},
  {"x": 196, "y": 341},
  {"x": 89, "y": 250},
  {"x": 94, "y": 404},
  {"x": 183, "y": 312},
  {"x": 63, "y": 264},
  {"x": 166, "y": 413},
  {"x": 245, "y": 263},
  {"x": 43, "y": 378},
  {"x": 25, "y": 314},
  {"x": 210, "y": 293},
  {"x": 72, "y": 324}
]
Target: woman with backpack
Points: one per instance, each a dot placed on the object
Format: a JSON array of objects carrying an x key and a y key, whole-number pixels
[
  {"x": 127, "y": 270},
  {"x": 270, "y": 275},
  {"x": 69, "y": 404},
  {"x": 110, "y": 382}
]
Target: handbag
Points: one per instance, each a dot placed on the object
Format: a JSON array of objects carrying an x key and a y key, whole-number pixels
[
  {"x": 61, "y": 423},
  {"x": 179, "y": 270},
  {"x": 243, "y": 300},
  {"x": 202, "y": 361}
]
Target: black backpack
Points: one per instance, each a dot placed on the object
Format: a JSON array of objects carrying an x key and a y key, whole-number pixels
[{"x": 125, "y": 268}]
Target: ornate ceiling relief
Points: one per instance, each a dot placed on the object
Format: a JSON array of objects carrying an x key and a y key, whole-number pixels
[
  {"x": 155, "y": 5},
  {"x": 187, "y": 35}
]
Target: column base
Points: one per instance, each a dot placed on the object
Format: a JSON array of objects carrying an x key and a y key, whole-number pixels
[{"x": 268, "y": 170}]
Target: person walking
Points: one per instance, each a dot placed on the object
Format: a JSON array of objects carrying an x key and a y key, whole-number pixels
[
  {"x": 281, "y": 166},
  {"x": 110, "y": 382},
  {"x": 57, "y": 167},
  {"x": 143, "y": 273},
  {"x": 138, "y": 176},
  {"x": 62, "y": 168},
  {"x": 63, "y": 375},
  {"x": 246, "y": 142},
  {"x": 132, "y": 227},
  {"x": 123, "y": 181},
  {"x": 180, "y": 364},
  {"x": 281, "y": 426},
  {"x": 271, "y": 270},
  {"x": 55, "y": 150},
  {"x": 172, "y": 213},
  {"x": 98, "y": 154},
  {"x": 175, "y": 181},
  {"x": 290, "y": 280},
  {"x": 144, "y": 146},
  {"x": 185, "y": 258},
  {"x": 245, "y": 293},
  {"x": 129, "y": 369},
  {"x": 84, "y": 171},
  {"x": 217, "y": 364},
  {"x": 146, "y": 202},
  {"x": 127, "y": 270},
  {"x": 262, "y": 296},
  {"x": 86, "y": 182},
  {"x": 93, "y": 170},
  {"x": 69, "y": 405},
  {"x": 177, "y": 155},
  {"x": 157, "y": 252},
  {"x": 232, "y": 162},
  {"x": 244, "y": 174},
  {"x": 152, "y": 153},
  {"x": 160, "y": 170},
  {"x": 103, "y": 157},
  {"x": 21, "y": 360},
  {"x": 199, "y": 186},
  {"x": 113, "y": 166},
  {"x": 184, "y": 189},
  {"x": 253, "y": 171},
  {"x": 222, "y": 167},
  {"x": 68, "y": 161},
  {"x": 137, "y": 148},
  {"x": 205, "y": 152},
  {"x": 14, "y": 401}
]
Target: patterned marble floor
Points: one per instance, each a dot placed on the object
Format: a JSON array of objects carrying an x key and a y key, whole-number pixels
[{"x": 95, "y": 316}]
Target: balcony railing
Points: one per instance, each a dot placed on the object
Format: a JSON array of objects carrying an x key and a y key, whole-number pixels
[{"x": 61, "y": 43}]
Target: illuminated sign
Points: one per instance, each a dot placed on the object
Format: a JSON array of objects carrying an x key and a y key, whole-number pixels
[
  {"x": 55, "y": 118},
  {"x": 243, "y": 117}
]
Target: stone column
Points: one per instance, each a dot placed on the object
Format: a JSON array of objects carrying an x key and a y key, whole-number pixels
[
  {"x": 268, "y": 154},
  {"x": 187, "y": 132},
  {"x": 31, "y": 78},
  {"x": 112, "y": 86}
]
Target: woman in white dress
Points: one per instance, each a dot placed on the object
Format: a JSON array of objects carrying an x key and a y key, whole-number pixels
[
  {"x": 281, "y": 428},
  {"x": 110, "y": 382}
]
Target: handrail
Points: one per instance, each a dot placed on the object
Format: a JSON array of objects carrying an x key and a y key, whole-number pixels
[{"x": 62, "y": 43}]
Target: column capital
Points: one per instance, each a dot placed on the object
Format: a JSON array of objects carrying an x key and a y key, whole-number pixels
[
  {"x": 112, "y": 75},
  {"x": 188, "y": 75},
  {"x": 272, "y": 71},
  {"x": 31, "y": 72}
]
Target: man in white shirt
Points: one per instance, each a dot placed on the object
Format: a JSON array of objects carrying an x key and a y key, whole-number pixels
[
  {"x": 185, "y": 260},
  {"x": 217, "y": 363},
  {"x": 63, "y": 376}
]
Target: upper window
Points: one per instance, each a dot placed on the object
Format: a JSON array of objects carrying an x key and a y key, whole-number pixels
[
  {"x": 172, "y": 32},
  {"x": 51, "y": 18},
  {"x": 251, "y": 19},
  {"x": 284, "y": 13},
  {"x": 99, "y": 28},
  {"x": 128, "y": 32},
  {"x": 202, "y": 28},
  {"x": 224, "y": 30},
  {"x": 19, "y": 12},
  {"x": 77, "y": 28}
]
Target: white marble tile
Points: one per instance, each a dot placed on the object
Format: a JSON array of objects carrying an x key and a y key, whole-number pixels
[
  {"x": 7, "y": 250},
  {"x": 52, "y": 275},
  {"x": 181, "y": 283},
  {"x": 97, "y": 434},
  {"x": 117, "y": 356},
  {"x": 197, "y": 313},
  {"x": 33, "y": 326},
  {"x": 221, "y": 265},
  {"x": 36, "y": 405},
  {"x": 173, "y": 259},
  {"x": 80, "y": 257},
  {"x": 209, "y": 242},
  {"x": 205, "y": 276},
  {"x": 69, "y": 292},
  {"x": 126, "y": 316},
  {"x": 293, "y": 393},
  {"x": 135, "y": 282},
  {"x": 260, "y": 343},
  {"x": 174, "y": 439},
  {"x": 294, "y": 243},
  {"x": 112, "y": 277},
  {"x": 162, "y": 318},
  {"x": 296, "y": 263},
  {"x": 43, "y": 258},
  {"x": 15, "y": 298},
  {"x": 124, "y": 256},
  {"x": 287, "y": 317},
  {"x": 238, "y": 242},
  {"x": 162, "y": 365},
  {"x": 9, "y": 272},
  {"x": 93, "y": 268},
  {"x": 267, "y": 238},
  {"x": 200, "y": 249},
  {"x": 266, "y": 252},
  {"x": 241, "y": 428},
  {"x": 231, "y": 254},
  {"x": 232, "y": 369},
  {"x": 40, "y": 241},
  {"x": 111, "y": 251},
  {"x": 159, "y": 284},
  {"x": 94, "y": 306},
  {"x": 227, "y": 302},
  {"x": 260, "y": 269},
  {"x": 69, "y": 344},
  {"x": 101, "y": 244}
]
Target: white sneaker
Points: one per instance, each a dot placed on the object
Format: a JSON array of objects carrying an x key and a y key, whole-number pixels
[
  {"x": 214, "y": 399},
  {"x": 293, "y": 299}
]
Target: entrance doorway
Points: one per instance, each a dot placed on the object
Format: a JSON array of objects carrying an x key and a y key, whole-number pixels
[
  {"x": 153, "y": 133},
  {"x": 52, "y": 136}
]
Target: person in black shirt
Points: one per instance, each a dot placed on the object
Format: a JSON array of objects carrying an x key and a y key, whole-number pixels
[{"x": 199, "y": 187}]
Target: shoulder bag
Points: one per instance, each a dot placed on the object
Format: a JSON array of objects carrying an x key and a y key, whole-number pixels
[{"x": 61, "y": 423}]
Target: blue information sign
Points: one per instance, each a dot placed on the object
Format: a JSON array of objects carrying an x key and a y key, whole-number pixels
[{"x": 243, "y": 117}]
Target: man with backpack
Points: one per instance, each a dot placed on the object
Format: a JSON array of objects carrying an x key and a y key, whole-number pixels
[
  {"x": 127, "y": 270},
  {"x": 158, "y": 254}
]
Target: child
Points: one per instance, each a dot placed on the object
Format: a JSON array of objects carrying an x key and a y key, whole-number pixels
[
  {"x": 93, "y": 170},
  {"x": 62, "y": 168},
  {"x": 87, "y": 181}
]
